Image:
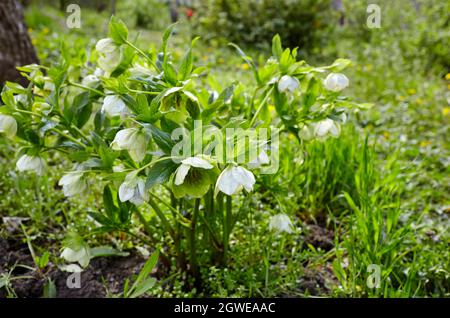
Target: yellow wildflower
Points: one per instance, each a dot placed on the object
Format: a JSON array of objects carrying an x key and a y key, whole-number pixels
[
  {"x": 446, "y": 111},
  {"x": 425, "y": 143}
]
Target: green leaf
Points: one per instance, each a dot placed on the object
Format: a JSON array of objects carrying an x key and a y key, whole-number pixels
[
  {"x": 186, "y": 63},
  {"x": 248, "y": 60},
  {"x": 277, "y": 49},
  {"x": 339, "y": 65},
  {"x": 83, "y": 108},
  {"x": 49, "y": 289},
  {"x": 102, "y": 251},
  {"x": 118, "y": 30},
  {"x": 160, "y": 172},
  {"x": 146, "y": 270},
  {"x": 312, "y": 92},
  {"x": 162, "y": 139},
  {"x": 143, "y": 287},
  {"x": 108, "y": 201}
]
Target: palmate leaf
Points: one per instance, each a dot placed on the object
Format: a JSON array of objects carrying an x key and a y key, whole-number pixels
[
  {"x": 160, "y": 173},
  {"x": 118, "y": 31},
  {"x": 162, "y": 139}
]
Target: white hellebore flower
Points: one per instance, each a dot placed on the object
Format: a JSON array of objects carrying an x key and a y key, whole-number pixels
[
  {"x": 113, "y": 105},
  {"x": 82, "y": 256},
  {"x": 336, "y": 82},
  {"x": 73, "y": 183},
  {"x": 133, "y": 189},
  {"x": 140, "y": 71},
  {"x": 259, "y": 161},
  {"x": 288, "y": 84},
  {"x": 90, "y": 81},
  {"x": 31, "y": 163},
  {"x": 233, "y": 179},
  {"x": 281, "y": 223},
  {"x": 186, "y": 164},
  {"x": 110, "y": 54},
  {"x": 133, "y": 140},
  {"x": 325, "y": 127},
  {"x": 8, "y": 125},
  {"x": 20, "y": 98}
]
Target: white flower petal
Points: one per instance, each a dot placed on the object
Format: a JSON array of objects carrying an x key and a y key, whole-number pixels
[
  {"x": 8, "y": 125},
  {"x": 281, "y": 223},
  {"x": 336, "y": 82},
  {"x": 125, "y": 192},
  {"x": 288, "y": 84},
  {"x": 181, "y": 173},
  {"x": 113, "y": 105},
  {"x": 323, "y": 127},
  {"x": 197, "y": 162}
]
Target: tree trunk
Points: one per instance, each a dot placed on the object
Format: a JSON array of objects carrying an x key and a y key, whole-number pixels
[{"x": 16, "y": 48}]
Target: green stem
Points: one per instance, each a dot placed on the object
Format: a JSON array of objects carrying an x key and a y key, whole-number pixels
[
  {"x": 69, "y": 137},
  {"x": 261, "y": 105},
  {"x": 87, "y": 88},
  {"x": 227, "y": 227},
  {"x": 142, "y": 53},
  {"x": 192, "y": 237},
  {"x": 162, "y": 217}
]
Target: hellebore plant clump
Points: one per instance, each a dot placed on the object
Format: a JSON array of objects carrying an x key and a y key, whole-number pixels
[{"x": 116, "y": 125}]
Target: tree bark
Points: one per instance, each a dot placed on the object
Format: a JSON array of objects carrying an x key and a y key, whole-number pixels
[{"x": 15, "y": 44}]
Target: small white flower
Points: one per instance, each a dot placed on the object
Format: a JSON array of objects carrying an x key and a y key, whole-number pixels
[
  {"x": 233, "y": 179},
  {"x": 48, "y": 84},
  {"x": 133, "y": 189},
  {"x": 306, "y": 132},
  {"x": 262, "y": 159},
  {"x": 139, "y": 71},
  {"x": 186, "y": 164},
  {"x": 31, "y": 163},
  {"x": 281, "y": 223},
  {"x": 73, "y": 183},
  {"x": 119, "y": 168},
  {"x": 288, "y": 84},
  {"x": 325, "y": 127},
  {"x": 113, "y": 105},
  {"x": 133, "y": 140},
  {"x": 99, "y": 72},
  {"x": 8, "y": 125},
  {"x": 90, "y": 81},
  {"x": 82, "y": 256},
  {"x": 22, "y": 98},
  {"x": 110, "y": 54},
  {"x": 336, "y": 82}
]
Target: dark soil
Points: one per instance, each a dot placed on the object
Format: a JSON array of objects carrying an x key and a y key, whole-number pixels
[
  {"x": 319, "y": 237},
  {"x": 104, "y": 275}
]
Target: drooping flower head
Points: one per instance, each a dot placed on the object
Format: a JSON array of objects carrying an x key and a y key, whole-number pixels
[
  {"x": 110, "y": 54},
  {"x": 8, "y": 125},
  {"x": 233, "y": 179},
  {"x": 31, "y": 163},
  {"x": 133, "y": 140},
  {"x": 281, "y": 223},
  {"x": 73, "y": 183},
  {"x": 133, "y": 189},
  {"x": 288, "y": 84},
  {"x": 193, "y": 177},
  {"x": 113, "y": 105},
  {"x": 336, "y": 82}
]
